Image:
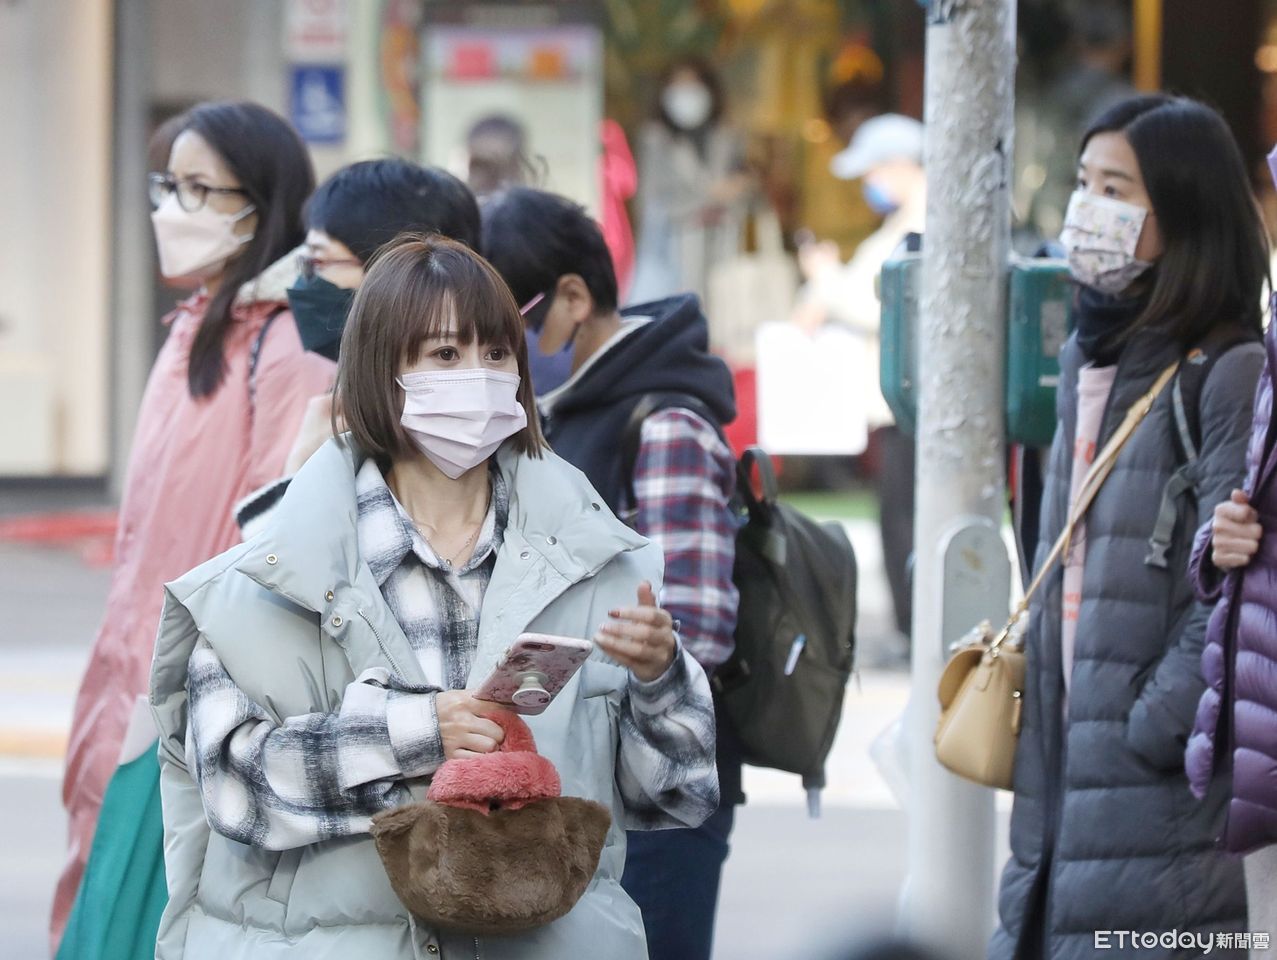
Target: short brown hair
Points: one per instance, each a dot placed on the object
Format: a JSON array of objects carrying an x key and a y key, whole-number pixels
[{"x": 415, "y": 287}]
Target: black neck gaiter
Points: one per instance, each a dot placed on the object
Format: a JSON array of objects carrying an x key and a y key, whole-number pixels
[{"x": 1103, "y": 322}]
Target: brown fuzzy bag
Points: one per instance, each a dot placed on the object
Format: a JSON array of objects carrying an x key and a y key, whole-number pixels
[{"x": 494, "y": 849}]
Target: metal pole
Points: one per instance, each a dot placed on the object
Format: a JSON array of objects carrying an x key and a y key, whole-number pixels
[
  {"x": 132, "y": 291},
  {"x": 970, "y": 67}
]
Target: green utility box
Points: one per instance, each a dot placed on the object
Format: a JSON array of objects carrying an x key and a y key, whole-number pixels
[
  {"x": 1039, "y": 322},
  {"x": 900, "y": 291}
]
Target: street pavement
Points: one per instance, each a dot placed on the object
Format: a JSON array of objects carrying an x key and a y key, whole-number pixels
[{"x": 793, "y": 887}]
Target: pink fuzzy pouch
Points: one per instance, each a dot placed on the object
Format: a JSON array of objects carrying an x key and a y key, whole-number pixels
[{"x": 494, "y": 849}]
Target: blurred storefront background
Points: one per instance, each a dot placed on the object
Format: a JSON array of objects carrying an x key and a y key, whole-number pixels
[{"x": 84, "y": 83}]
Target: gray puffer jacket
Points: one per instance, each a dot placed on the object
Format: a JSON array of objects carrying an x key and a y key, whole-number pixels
[{"x": 1105, "y": 834}]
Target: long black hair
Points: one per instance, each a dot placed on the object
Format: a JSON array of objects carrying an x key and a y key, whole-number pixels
[
  {"x": 267, "y": 157},
  {"x": 1215, "y": 257}
]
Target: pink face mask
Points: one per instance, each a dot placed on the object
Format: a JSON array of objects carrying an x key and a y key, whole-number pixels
[
  {"x": 458, "y": 418},
  {"x": 196, "y": 244}
]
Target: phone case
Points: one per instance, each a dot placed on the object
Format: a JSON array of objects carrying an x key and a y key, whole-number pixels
[{"x": 532, "y": 672}]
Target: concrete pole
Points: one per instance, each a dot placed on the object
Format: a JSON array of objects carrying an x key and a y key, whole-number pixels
[
  {"x": 970, "y": 69},
  {"x": 133, "y": 307}
]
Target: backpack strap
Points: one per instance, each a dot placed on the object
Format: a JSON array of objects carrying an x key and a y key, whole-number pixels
[
  {"x": 1186, "y": 396},
  {"x": 1182, "y": 481},
  {"x": 1186, "y": 391},
  {"x": 632, "y": 438},
  {"x": 255, "y": 354}
]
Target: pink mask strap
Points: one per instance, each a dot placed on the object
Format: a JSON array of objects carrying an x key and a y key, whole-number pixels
[{"x": 523, "y": 310}]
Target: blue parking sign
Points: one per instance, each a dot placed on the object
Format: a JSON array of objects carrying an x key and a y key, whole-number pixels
[{"x": 318, "y": 102}]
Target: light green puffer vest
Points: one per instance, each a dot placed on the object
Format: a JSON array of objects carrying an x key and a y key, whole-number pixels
[{"x": 264, "y": 607}]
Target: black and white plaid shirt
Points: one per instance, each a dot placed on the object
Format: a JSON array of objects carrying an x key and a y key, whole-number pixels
[{"x": 323, "y": 775}]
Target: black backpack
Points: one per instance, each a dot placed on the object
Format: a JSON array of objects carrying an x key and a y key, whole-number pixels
[
  {"x": 1186, "y": 395},
  {"x": 782, "y": 689}
]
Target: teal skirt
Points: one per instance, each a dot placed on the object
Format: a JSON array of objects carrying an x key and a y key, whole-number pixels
[{"x": 116, "y": 914}]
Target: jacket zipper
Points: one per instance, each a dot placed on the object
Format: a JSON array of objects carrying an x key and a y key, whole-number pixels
[
  {"x": 381, "y": 643},
  {"x": 476, "y": 949}
]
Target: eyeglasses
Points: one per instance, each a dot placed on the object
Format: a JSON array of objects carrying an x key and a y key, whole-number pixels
[
  {"x": 308, "y": 265},
  {"x": 191, "y": 194}
]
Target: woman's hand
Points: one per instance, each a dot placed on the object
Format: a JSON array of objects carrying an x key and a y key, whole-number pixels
[
  {"x": 640, "y": 638},
  {"x": 315, "y": 431},
  {"x": 817, "y": 259},
  {"x": 464, "y": 726},
  {"x": 1235, "y": 532},
  {"x": 727, "y": 190}
]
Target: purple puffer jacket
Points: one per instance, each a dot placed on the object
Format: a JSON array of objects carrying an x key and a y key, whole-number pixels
[{"x": 1239, "y": 660}]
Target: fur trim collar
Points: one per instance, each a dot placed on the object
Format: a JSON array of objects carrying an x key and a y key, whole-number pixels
[{"x": 271, "y": 285}]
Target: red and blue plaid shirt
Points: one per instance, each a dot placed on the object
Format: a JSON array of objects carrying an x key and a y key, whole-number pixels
[{"x": 684, "y": 477}]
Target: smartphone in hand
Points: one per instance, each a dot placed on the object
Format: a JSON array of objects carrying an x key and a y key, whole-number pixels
[{"x": 532, "y": 672}]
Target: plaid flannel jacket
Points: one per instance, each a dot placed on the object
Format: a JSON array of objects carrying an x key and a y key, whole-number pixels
[{"x": 684, "y": 477}]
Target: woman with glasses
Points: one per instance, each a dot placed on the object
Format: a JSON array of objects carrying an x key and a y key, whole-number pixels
[{"x": 221, "y": 409}]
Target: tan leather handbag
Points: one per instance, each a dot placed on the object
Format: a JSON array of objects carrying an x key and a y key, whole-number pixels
[{"x": 982, "y": 686}]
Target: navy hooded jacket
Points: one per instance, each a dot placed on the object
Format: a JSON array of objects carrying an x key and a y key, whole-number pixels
[{"x": 668, "y": 355}]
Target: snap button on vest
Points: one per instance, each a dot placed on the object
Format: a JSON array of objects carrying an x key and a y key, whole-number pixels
[
  {"x": 552, "y": 540},
  {"x": 272, "y": 559},
  {"x": 329, "y": 596},
  {"x": 337, "y": 621}
]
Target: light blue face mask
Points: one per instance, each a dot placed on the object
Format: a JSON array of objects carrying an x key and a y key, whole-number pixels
[
  {"x": 548, "y": 371},
  {"x": 879, "y": 200}
]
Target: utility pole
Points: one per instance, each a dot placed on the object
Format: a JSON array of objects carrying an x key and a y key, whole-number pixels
[{"x": 961, "y": 571}]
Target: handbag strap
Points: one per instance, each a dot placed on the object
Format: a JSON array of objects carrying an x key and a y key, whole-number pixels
[{"x": 1091, "y": 484}]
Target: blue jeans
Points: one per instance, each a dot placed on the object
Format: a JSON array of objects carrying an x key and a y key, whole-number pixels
[{"x": 673, "y": 876}]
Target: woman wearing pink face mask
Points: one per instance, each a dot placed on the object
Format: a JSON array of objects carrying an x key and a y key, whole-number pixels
[
  {"x": 221, "y": 408},
  {"x": 322, "y": 672}
]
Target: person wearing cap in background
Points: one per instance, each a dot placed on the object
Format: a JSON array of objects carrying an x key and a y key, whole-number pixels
[{"x": 886, "y": 154}]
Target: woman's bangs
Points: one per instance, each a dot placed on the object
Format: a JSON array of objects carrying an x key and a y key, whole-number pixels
[
  {"x": 485, "y": 309},
  {"x": 462, "y": 301}
]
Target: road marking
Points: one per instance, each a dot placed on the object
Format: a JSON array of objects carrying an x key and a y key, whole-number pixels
[
  {"x": 39, "y": 683},
  {"x": 33, "y": 768},
  {"x": 16, "y": 742}
]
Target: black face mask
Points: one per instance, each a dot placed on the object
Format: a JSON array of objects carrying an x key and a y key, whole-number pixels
[{"x": 320, "y": 309}]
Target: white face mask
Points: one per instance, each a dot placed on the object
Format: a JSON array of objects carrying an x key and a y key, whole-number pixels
[
  {"x": 196, "y": 244},
  {"x": 458, "y": 418},
  {"x": 688, "y": 105},
  {"x": 1100, "y": 235}
]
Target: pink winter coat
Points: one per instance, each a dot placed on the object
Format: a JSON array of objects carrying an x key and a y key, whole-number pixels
[{"x": 192, "y": 460}]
